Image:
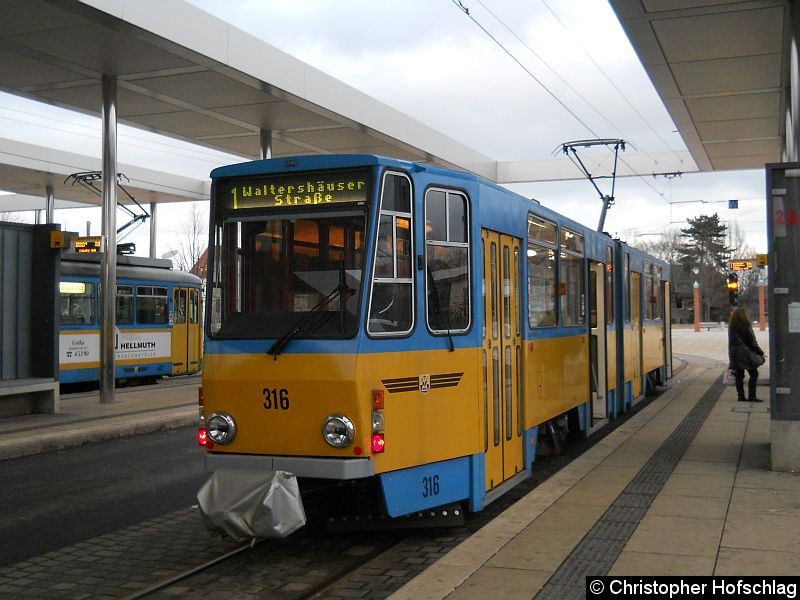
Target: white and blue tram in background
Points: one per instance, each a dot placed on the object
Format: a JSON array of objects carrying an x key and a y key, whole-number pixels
[{"x": 158, "y": 319}]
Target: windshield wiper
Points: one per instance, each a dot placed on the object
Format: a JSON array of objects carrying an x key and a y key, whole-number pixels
[
  {"x": 316, "y": 316},
  {"x": 344, "y": 293}
]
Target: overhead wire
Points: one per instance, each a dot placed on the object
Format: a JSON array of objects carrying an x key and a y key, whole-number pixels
[
  {"x": 466, "y": 11},
  {"x": 552, "y": 94},
  {"x": 611, "y": 81},
  {"x": 551, "y": 69},
  {"x": 624, "y": 97},
  {"x": 575, "y": 91}
]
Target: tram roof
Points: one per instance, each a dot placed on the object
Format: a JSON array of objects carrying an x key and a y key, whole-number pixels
[{"x": 721, "y": 68}]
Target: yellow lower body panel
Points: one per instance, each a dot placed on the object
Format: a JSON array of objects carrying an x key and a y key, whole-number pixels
[
  {"x": 431, "y": 403},
  {"x": 556, "y": 377},
  {"x": 652, "y": 348}
]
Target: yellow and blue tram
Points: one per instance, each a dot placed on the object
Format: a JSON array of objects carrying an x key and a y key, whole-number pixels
[
  {"x": 413, "y": 328},
  {"x": 158, "y": 324}
]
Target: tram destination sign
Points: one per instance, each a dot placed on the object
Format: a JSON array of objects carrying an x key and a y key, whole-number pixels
[
  {"x": 296, "y": 190},
  {"x": 87, "y": 244}
]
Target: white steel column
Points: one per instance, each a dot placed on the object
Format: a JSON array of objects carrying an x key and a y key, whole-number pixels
[
  {"x": 153, "y": 230},
  {"x": 50, "y": 206},
  {"x": 266, "y": 143},
  {"x": 109, "y": 258}
]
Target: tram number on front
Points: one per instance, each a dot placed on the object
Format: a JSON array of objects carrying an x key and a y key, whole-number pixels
[
  {"x": 275, "y": 398},
  {"x": 430, "y": 486}
]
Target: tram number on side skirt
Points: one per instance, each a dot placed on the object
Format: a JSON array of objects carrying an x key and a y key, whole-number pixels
[
  {"x": 430, "y": 486},
  {"x": 275, "y": 398}
]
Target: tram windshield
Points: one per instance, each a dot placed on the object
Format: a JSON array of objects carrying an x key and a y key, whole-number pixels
[{"x": 289, "y": 276}]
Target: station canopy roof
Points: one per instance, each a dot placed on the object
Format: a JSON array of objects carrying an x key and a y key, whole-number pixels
[
  {"x": 721, "y": 67},
  {"x": 184, "y": 73}
]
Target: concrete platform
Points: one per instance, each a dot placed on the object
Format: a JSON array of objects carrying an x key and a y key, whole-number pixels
[{"x": 82, "y": 418}]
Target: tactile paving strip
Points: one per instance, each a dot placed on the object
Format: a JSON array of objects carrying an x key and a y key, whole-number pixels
[{"x": 599, "y": 549}]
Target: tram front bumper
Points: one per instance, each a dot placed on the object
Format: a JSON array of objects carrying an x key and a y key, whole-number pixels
[{"x": 301, "y": 466}]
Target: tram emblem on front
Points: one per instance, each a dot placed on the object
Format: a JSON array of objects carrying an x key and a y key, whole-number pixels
[{"x": 424, "y": 384}]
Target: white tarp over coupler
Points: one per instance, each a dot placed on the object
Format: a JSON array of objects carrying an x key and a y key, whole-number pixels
[{"x": 251, "y": 504}]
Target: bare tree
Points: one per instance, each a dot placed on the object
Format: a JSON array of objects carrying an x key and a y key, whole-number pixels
[
  {"x": 666, "y": 246},
  {"x": 192, "y": 245},
  {"x": 10, "y": 217},
  {"x": 749, "y": 279}
]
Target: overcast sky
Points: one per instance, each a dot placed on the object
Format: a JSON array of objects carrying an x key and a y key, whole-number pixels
[{"x": 578, "y": 79}]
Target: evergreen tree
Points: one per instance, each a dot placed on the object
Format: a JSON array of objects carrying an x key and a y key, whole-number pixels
[
  {"x": 706, "y": 251},
  {"x": 705, "y": 244}
]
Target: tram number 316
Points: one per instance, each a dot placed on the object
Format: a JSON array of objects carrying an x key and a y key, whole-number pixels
[
  {"x": 276, "y": 398},
  {"x": 430, "y": 486}
]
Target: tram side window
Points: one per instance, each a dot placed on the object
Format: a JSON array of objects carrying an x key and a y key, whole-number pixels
[
  {"x": 447, "y": 261},
  {"x": 194, "y": 306},
  {"x": 541, "y": 252},
  {"x": 652, "y": 287},
  {"x": 391, "y": 308},
  {"x": 571, "y": 283},
  {"x": 658, "y": 302},
  {"x": 609, "y": 285},
  {"x": 124, "y": 304},
  {"x": 77, "y": 302},
  {"x": 151, "y": 305},
  {"x": 626, "y": 292},
  {"x": 179, "y": 306}
]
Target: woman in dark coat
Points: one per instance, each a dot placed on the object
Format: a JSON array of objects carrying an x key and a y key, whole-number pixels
[{"x": 742, "y": 345}]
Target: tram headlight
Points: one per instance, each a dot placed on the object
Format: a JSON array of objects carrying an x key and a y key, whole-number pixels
[
  {"x": 338, "y": 431},
  {"x": 221, "y": 428}
]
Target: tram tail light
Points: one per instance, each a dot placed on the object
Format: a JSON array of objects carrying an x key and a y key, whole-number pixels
[
  {"x": 378, "y": 441},
  {"x": 377, "y": 414},
  {"x": 203, "y": 439}
]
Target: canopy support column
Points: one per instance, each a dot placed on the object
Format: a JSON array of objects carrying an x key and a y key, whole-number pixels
[
  {"x": 266, "y": 143},
  {"x": 50, "y": 205},
  {"x": 109, "y": 258},
  {"x": 153, "y": 230}
]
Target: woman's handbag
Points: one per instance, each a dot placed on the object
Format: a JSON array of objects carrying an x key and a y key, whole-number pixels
[{"x": 756, "y": 359}]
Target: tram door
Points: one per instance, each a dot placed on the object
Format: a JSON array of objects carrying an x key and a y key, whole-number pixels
[
  {"x": 502, "y": 357},
  {"x": 636, "y": 337},
  {"x": 179, "y": 331},
  {"x": 667, "y": 331},
  {"x": 194, "y": 334},
  {"x": 597, "y": 342}
]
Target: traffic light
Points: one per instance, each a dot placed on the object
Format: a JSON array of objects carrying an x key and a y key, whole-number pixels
[{"x": 733, "y": 289}]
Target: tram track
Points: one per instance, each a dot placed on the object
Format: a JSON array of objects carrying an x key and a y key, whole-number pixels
[
  {"x": 163, "y": 585},
  {"x": 269, "y": 560},
  {"x": 282, "y": 554}
]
